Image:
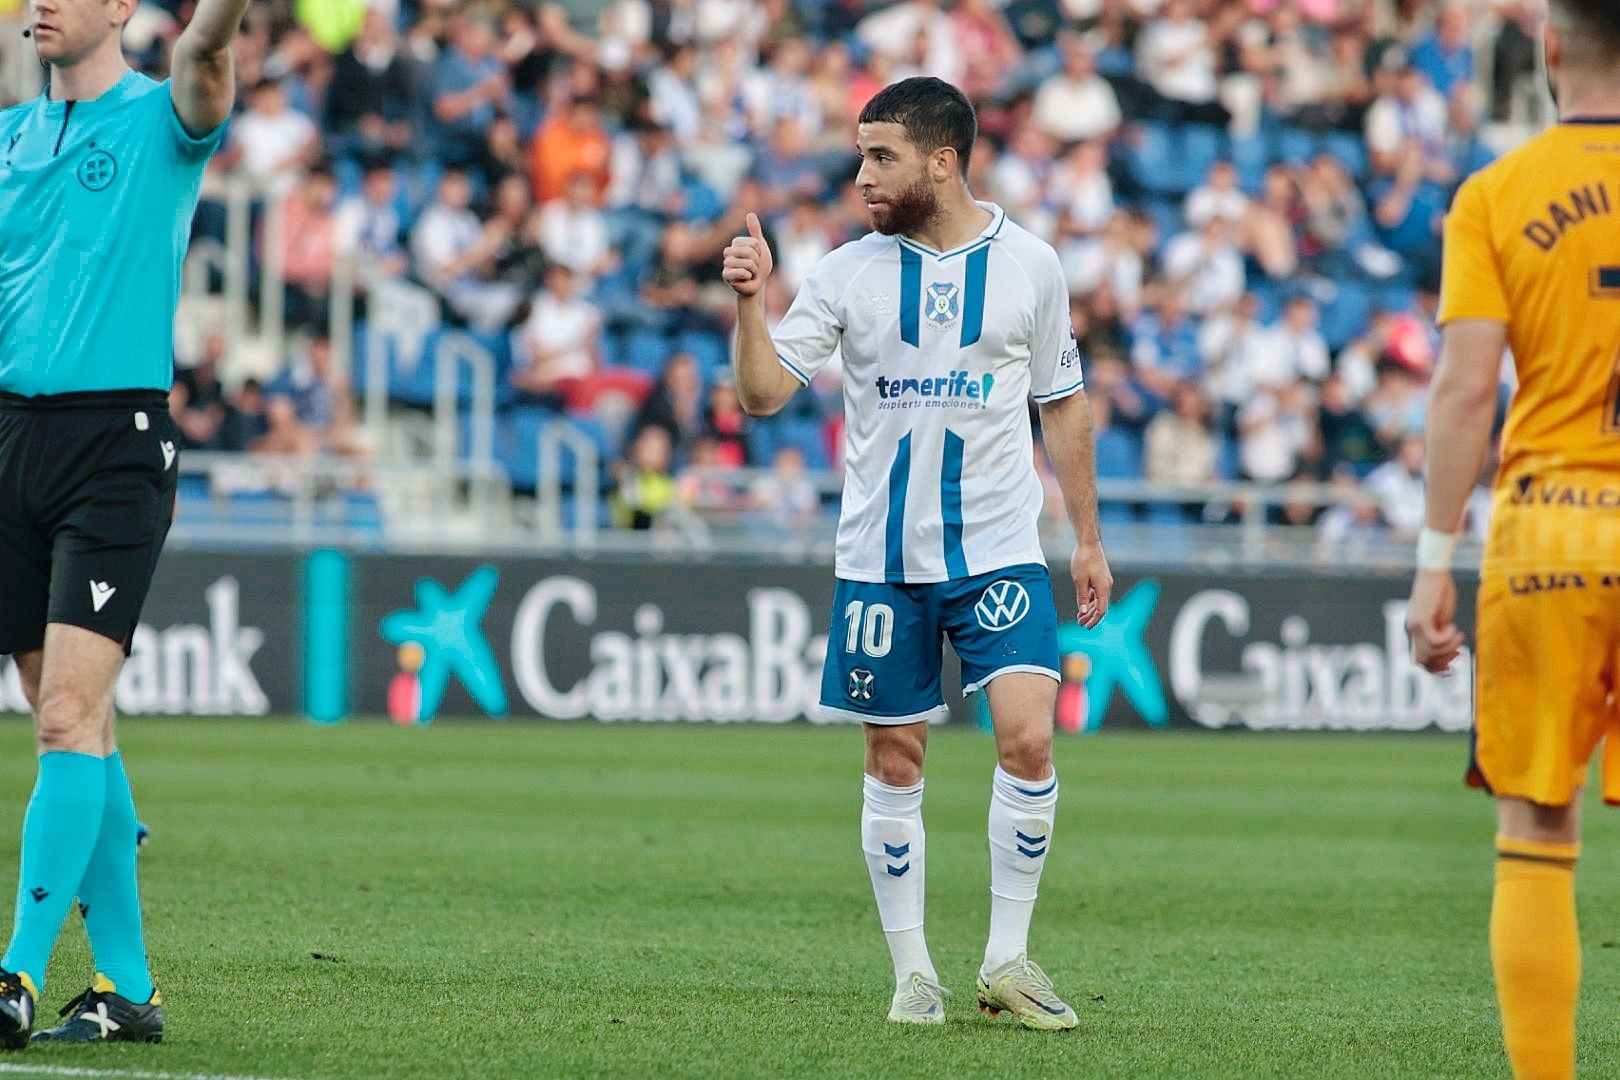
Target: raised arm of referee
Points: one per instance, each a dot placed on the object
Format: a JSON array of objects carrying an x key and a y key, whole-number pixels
[{"x": 99, "y": 178}]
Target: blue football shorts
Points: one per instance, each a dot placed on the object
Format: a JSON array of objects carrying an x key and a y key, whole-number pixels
[{"x": 885, "y": 648}]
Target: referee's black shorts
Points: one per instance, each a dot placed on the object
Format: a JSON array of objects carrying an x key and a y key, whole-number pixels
[{"x": 87, "y": 483}]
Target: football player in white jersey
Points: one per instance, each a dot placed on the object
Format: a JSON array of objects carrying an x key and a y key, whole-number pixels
[{"x": 948, "y": 317}]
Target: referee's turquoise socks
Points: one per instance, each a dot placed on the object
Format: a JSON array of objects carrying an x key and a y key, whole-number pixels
[
  {"x": 109, "y": 896},
  {"x": 59, "y": 833}
]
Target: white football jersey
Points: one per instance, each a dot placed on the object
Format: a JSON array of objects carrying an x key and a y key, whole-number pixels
[{"x": 941, "y": 352}]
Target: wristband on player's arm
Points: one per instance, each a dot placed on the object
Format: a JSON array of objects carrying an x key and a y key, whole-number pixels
[{"x": 1435, "y": 549}]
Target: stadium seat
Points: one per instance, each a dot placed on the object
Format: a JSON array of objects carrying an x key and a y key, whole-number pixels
[
  {"x": 1198, "y": 147},
  {"x": 517, "y": 446},
  {"x": 708, "y": 349},
  {"x": 1351, "y": 150},
  {"x": 1150, "y": 159},
  {"x": 1251, "y": 156},
  {"x": 1345, "y": 313},
  {"x": 646, "y": 351},
  {"x": 414, "y": 384},
  {"x": 1292, "y": 146}
]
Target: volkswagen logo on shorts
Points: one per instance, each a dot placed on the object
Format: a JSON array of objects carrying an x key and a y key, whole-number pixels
[
  {"x": 1003, "y": 606},
  {"x": 860, "y": 684},
  {"x": 97, "y": 170}
]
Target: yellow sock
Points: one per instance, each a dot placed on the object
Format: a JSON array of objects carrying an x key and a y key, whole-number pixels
[{"x": 1536, "y": 953}]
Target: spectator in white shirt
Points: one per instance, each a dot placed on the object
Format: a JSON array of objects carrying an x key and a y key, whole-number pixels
[
  {"x": 455, "y": 256},
  {"x": 1078, "y": 103},
  {"x": 1219, "y": 197},
  {"x": 368, "y": 226},
  {"x": 1398, "y": 486},
  {"x": 1177, "y": 58},
  {"x": 1080, "y": 188},
  {"x": 1206, "y": 267},
  {"x": 574, "y": 233},
  {"x": 1111, "y": 259},
  {"x": 1413, "y": 111},
  {"x": 274, "y": 141},
  {"x": 894, "y": 30},
  {"x": 1018, "y": 178},
  {"x": 561, "y": 341},
  {"x": 672, "y": 93}
]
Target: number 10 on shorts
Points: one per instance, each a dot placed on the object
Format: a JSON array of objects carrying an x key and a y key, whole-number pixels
[{"x": 872, "y": 635}]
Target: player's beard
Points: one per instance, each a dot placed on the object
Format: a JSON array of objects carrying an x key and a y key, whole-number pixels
[{"x": 910, "y": 209}]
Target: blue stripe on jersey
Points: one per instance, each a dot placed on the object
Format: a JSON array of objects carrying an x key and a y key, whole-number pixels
[
  {"x": 793, "y": 369},
  {"x": 950, "y": 505},
  {"x": 978, "y": 265},
  {"x": 894, "y": 532},
  {"x": 910, "y": 296},
  {"x": 1064, "y": 391}
]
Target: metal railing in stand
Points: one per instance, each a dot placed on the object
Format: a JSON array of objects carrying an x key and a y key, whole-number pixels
[
  {"x": 272, "y": 275},
  {"x": 400, "y": 315},
  {"x": 554, "y": 437},
  {"x": 238, "y": 252},
  {"x": 454, "y": 350}
]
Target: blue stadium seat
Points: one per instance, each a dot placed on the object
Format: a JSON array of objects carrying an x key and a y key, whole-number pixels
[
  {"x": 708, "y": 349},
  {"x": 1345, "y": 313},
  {"x": 1293, "y": 146},
  {"x": 645, "y": 350},
  {"x": 1200, "y": 146},
  {"x": 1251, "y": 156},
  {"x": 517, "y": 440},
  {"x": 415, "y": 385},
  {"x": 1351, "y": 150},
  {"x": 1168, "y": 220},
  {"x": 1150, "y": 158}
]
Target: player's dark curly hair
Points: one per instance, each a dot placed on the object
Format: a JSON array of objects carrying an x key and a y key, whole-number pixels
[{"x": 932, "y": 112}]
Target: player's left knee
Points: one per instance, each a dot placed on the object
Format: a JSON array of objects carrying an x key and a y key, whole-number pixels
[
  {"x": 1027, "y": 754},
  {"x": 68, "y": 719}
]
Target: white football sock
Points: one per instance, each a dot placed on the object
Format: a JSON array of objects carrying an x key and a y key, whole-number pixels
[
  {"x": 892, "y": 838},
  {"x": 1021, "y": 815}
]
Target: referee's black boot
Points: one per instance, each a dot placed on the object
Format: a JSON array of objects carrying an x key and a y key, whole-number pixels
[
  {"x": 17, "y": 1001},
  {"x": 102, "y": 1015}
]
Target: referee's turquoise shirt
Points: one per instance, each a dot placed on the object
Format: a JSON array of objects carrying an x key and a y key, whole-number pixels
[{"x": 96, "y": 201}]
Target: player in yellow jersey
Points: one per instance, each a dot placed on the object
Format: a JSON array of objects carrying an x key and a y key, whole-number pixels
[{"x": 1532, "y": 262}]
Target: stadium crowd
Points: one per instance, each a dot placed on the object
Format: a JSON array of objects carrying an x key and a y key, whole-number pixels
[{"x": 1246, "y": 196}]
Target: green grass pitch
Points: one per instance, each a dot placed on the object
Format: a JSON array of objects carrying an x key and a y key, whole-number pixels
[{"x": 537, "y": 900}]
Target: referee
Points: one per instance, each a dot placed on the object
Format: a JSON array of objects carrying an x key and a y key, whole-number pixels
[{"x": 98, "y": 183}]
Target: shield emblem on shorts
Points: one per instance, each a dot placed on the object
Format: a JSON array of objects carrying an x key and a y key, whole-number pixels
[
  {"x": 861, "y": 682},
  {"x": 942, "y": 304},
  {"x": 1002, "y": 607}
]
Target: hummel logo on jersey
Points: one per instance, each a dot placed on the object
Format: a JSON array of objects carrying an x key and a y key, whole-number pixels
[
  {"x": 168, "y": 453},
  {"x": 882, "y": 303},
  {"x": 1003, "y": 606},
  {"x": 100, "y": 593},
  {"x": 38, "y": 894}
]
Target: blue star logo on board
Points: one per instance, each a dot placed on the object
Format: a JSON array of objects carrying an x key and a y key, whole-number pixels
[
  {"x": 1119, "y": 658},
  {"x": 447, "y": 627}
]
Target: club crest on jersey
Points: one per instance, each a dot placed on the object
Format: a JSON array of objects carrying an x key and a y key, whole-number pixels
[
  {"x": 861, "y": 684},
  {"x": 942, "y": 305}
]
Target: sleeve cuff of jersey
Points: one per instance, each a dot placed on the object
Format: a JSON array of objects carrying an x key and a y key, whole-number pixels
[
  {"x": 196, "y": 145},
  {"x": 793, "y": 369},
  {"x": 1067, "y": 391},
  {"x": 1462, "y": 316}
]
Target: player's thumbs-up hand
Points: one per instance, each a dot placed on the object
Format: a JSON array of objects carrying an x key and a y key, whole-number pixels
[{"x": 748, "y": 260}]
